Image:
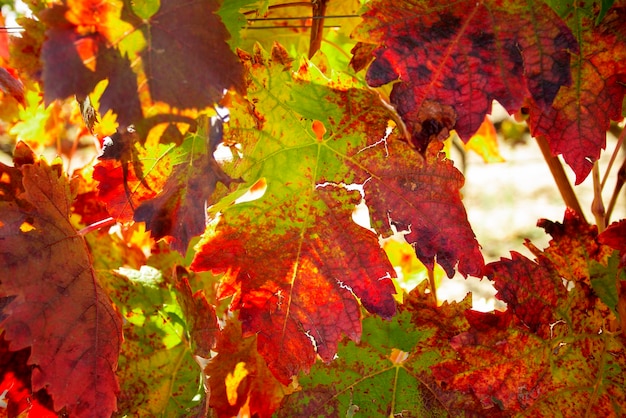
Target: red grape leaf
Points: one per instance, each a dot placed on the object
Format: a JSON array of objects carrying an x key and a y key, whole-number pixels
[
  {"x": 573, "y": 244},
  {"x": 294, "y": 258},
  {"x": 291, "y": 256},
  {"x": 87, "y": 204},
  {"x": 298, "y": 286},
  {"x": 576, "y": 123},
  {"x": 552, "y": 349},
  {"x": 199, "y": 314},
  {"x": 615, "y": 237},
  {"x": 422, "y": 196},
  {"x": 452, "y": 60},
  {"x": 60, "y": 310},
  {"x": 239, "y": 377},
  {"x": 136, "y": 175}
]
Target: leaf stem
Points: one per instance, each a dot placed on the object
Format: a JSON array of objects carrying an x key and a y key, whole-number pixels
[
  {"x": 558, "y": 173},
  {"x": 317, "y": 28}
]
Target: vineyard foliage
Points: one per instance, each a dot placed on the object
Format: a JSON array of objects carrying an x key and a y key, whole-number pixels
[{"x": 193, "y": 249}]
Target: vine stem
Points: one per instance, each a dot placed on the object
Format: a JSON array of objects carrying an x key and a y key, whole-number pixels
[
  {"x": 621, "y": 176},
  {"x": 558, "y": 173}
]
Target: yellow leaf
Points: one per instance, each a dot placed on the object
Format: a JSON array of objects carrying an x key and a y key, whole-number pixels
[{"x": 485, "y": 143}]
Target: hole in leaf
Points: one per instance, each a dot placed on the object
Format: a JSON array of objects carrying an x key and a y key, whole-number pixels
[
  {"x": 256, "y": 191},
  {"x": 26, "y": 227}
]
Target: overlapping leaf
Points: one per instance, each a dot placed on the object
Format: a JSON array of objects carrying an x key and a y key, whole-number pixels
[
  {"x": 422, "y": 197},
  {"x": 59, "y": 309},
  {"x": 388, "y": 372},
  {"x": 172, "y": 46},
  {"x": 576, "y": 124},
  {"x": 157, "y": 371},
  {"x": 295, "y": 257},
  {"x": 552, "y": 350},
  {"x": 615, "y": 237},
  {"x": 452, "y": 60},
  {"x": 165, "y": 186},
  {"x": 239, "y": 378}
]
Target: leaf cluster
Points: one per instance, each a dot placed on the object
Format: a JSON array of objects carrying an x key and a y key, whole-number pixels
[{"x": 195, "y": 249}]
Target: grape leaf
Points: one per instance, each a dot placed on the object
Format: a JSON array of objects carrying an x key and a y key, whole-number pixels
[
  {"x": 166, "y": 186},
  {"x": 129, "y": 173},
  {"x": 576, "y": 123},
  {"x": 485, "y": 143},
  {"x": 172, "y": 51},
  {"x": 552, "y": 349},
  {"x": 573, "y": 244},
  {"x": 452, "y": 60},
  {"x": 295, "y": 267},
  {"x": 388, "y": 372},
  {"x": 184, "y": 39},
  {"x": 199, "y": 314},
  {"x": 291, "y": 256},
  {"x": 179, "y": 210},
  {"x": 613, "y": 236},
  {"x": 157, "y": 371},
  {"x": 239, "y": 378},
  {"x": 422, "y": 197},
  {"x": 60, "y": 310}
]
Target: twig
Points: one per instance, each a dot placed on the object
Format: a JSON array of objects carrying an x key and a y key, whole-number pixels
[
  {"x": 618, "y": 146},
  {"x": 597, "y": 206},
  {"x": 433, "y": 285},
  {"x": 619, "y": 183},
  {"x": 562, "y": 182}
]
